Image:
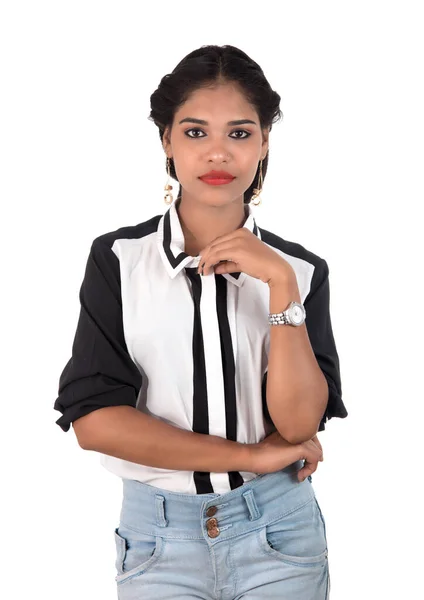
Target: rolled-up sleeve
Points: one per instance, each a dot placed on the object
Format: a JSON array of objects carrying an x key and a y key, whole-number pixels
[
  {"x": 318, "y": 324},
  {"x": 100, "y": 371}
]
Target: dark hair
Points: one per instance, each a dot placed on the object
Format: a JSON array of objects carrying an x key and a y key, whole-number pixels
[{"x": 207, "y": 66}]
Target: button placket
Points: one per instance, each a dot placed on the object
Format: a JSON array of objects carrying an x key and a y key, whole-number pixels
[{"x": 212, "y": 523}]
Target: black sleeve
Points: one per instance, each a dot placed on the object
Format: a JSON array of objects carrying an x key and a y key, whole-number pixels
[
  {"x": 100, "y": 371},
  {"x": 318, "y": 325}
]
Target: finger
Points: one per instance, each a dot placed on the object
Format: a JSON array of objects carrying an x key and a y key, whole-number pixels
[
  {"x": 203, "y": 260},
  {"x": 221, "y": 266},
  {"x": 306, "y": 470},
  {"x": 316, "y": 448},
  {"x": 318, "y": 444},
  {"x": 201, "y": 269},
  {"x": 227, "y": 266},
  {"x": 215, "y": 253}
]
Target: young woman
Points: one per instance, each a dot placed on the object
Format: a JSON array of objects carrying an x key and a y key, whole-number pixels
[{"x": 204, "y": 362}]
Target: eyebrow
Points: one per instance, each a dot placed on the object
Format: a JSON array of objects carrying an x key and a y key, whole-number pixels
[{"x": 202, "y": 122}]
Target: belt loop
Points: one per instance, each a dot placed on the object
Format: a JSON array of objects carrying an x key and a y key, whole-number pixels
[
  {"x": 161, "y": 521},
  {"x": 249, "y": 496}
]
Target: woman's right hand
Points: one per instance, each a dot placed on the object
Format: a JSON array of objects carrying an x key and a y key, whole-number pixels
[{"x": 274, "y": 453}]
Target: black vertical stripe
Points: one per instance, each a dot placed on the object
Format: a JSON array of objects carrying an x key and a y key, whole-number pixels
[
  {"x": 265, "y": 410},
  {"x": 202, "y": 479},
  {"x": 228, "y": 370}
]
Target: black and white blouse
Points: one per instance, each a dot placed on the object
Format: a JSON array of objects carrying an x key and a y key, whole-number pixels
[{"x": 191, "y": 350}]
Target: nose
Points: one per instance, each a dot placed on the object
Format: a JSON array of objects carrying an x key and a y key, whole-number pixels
[
  {"x": 218, "y": 156},
  {"x": 218, "y": 152}
]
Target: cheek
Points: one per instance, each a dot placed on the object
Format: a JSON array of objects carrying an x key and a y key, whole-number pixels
[
  {"x": 250, "y": 176},
  {"x": 187, "y": 159},
  {"x": 183, "y": 170},
  {"x": 248, "y": 165}
]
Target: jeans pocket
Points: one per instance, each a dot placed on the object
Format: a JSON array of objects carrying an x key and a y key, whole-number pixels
[
  {"x": 297, "y": 538},
  {"x": 136, "y": 552}
]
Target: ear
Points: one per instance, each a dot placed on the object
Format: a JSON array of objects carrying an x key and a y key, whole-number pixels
[
  {"x": 166, "y": 143},
  {"x": 265, "y": 142}
]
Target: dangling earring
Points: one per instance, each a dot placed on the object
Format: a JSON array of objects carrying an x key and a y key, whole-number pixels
[
  {"x": 169, "y": 198},
  {"x": 258, "y": 190}
]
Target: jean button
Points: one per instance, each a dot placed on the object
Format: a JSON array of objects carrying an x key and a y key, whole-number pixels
[
  {"x": 213, "y": 533},
  {"x": 211, "y": 523},
  {"x": 212, "y": 510}
]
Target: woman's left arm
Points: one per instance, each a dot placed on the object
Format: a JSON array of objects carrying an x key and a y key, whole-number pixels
[
  {"x": 296, "y": 390},
  {"x": 303, "y": 387}
]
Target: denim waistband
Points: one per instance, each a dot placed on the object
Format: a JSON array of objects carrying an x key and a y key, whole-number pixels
[{"x": 260, "y": 501}]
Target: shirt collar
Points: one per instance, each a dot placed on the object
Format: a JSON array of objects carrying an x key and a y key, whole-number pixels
[{"x": 170, "y": 240}]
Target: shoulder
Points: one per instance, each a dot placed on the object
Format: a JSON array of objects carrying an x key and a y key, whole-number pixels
[
  {"x": 126, "y": 232},
  {"x": 295, "y": 250}
]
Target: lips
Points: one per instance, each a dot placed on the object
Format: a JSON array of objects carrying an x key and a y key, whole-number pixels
[
  {"x": 216, "y": 181},
  {"x": 217, "y": 178},
  {"x": 217, "y": 175}
]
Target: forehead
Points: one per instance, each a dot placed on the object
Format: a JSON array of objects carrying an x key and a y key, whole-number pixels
[{"x": 221, "y": 103}]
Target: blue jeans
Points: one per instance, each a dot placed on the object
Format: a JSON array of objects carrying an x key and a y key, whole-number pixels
[{"x": 264, "y": 539}]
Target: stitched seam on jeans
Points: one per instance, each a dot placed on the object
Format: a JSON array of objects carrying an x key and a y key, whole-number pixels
[{"x": 261, "y": 525}]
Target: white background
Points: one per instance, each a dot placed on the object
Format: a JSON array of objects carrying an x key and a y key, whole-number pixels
[{"x": 79, "y": 158}]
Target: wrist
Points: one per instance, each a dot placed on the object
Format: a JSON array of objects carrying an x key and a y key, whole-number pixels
[
  {"x": 246, "y": 458},
  {"x": 283, "y": 278},
  {"x": 282, "y": 294}
]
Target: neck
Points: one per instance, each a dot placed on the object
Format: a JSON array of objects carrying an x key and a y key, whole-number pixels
[{"x": 202, "y": 223}]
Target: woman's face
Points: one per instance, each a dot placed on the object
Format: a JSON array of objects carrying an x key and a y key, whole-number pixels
[{"x": 199, "y": 148}]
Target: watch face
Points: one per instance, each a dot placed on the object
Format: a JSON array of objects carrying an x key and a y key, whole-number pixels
[{"x": 297, "y": 314}]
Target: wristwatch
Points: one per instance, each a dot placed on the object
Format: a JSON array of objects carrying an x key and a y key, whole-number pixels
[{"x": 295, "y": 314}]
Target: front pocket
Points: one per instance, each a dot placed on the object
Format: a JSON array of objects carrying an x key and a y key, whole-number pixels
[
  {"x": 297, "y": 538},
  {"x": 136, "y": 552}
]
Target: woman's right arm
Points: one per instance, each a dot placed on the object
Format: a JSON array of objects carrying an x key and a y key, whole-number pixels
[{"x": 127, "y": 433}]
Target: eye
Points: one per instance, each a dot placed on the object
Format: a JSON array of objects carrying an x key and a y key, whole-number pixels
[
  {"x": 242, "y": 131},
  {"x": 193, "y": 129},
  {"x": 247, "y": 134}
]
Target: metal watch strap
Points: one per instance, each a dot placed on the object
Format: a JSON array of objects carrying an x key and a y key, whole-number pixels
[
  {"x": 278, "y": 318},
  {"x": 282, "y": 318}
]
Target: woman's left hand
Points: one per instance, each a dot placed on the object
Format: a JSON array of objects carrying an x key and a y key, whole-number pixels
[
  {"x": 310, "y": 467},
  {"x": 242, "y": 250}
]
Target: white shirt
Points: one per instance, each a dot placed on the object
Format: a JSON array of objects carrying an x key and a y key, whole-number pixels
[{"x": 190, "y": 350}]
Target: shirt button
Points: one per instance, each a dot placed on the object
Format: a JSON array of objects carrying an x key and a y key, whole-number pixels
[{"x": 211, "y": 511}]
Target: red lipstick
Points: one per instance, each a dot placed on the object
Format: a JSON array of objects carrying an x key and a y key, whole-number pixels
[{"x": 217, "y": 177}]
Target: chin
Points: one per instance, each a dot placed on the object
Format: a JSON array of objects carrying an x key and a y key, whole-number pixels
[
  {"x": 213, "y": 195},
  {"x": 218, "y": 199}
]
